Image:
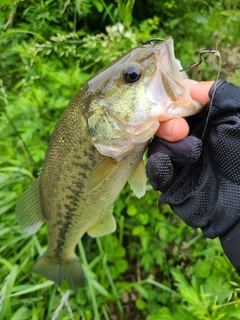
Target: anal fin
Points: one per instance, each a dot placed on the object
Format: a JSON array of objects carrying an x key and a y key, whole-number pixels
[
  {"x": 28, "y": 210},
  {"x": 106, "y": 224},
  {"x": 138, "y": 180}
]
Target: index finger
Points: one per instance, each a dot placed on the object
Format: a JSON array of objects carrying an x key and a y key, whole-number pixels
[{"x": 199, "y": 90}]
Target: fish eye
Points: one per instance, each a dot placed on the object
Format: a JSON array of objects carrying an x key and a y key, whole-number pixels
[{"x": 132, "y": 73}]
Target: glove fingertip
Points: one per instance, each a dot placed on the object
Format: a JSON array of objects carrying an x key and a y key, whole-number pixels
[{"x": 159, "y": 170}]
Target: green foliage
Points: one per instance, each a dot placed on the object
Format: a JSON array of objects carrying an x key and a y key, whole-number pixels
[{"x": 154, "y": 266}]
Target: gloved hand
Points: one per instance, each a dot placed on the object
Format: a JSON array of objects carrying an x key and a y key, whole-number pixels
[{"x": 200, "y": 176}]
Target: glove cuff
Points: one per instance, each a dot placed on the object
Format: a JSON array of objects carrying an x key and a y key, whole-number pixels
[{"x": 230, "y": 242}]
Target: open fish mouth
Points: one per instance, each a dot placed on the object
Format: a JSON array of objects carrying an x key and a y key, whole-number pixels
[{"x": 166, "y": 87}]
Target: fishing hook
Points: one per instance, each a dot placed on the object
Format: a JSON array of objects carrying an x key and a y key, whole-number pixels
[{"x": 216, "y": 52}]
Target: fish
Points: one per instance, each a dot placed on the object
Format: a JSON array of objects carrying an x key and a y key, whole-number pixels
[{"x": 97, "y": 146}]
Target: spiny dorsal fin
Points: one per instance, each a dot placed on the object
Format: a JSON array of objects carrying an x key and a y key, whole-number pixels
[
  {"x": 138, "y": 180},
  {"x": 100, "y": 173},
  {"x": 28, "y": 210},
  {"x": 106, "y": 224}
]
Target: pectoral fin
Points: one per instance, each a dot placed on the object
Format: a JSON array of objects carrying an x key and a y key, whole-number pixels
[
  {"x": 100, "y": 173},
  {"x": 28, "y": 210},
  {"x": 138, "y": 180},
  {"x": 106, "y": 224}
]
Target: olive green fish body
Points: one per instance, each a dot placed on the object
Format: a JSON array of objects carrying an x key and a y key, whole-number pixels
[
  {"x": 69, "y": 210},
  {"x": 96, "y": 147}
]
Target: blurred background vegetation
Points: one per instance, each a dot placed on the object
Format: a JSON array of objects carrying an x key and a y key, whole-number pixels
[{"x": 154, "y": 266}]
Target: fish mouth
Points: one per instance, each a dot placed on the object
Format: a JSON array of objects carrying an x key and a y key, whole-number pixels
[{"x": 166, "y": 87}]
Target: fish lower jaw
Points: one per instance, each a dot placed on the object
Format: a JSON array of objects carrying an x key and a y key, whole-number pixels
[
  {"x": 178, "y": 112},
  {"x": 117, "y": 153}
]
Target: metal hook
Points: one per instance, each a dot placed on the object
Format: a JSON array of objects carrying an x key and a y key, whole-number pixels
[{"x": 216, "y": 52}]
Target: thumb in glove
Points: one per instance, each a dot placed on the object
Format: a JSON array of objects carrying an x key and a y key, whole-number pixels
[{"x": 167, "y": 158}]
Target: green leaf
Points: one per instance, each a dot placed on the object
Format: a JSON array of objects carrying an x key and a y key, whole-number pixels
[
  {"x": 98, "y": 5},
  {"x": 140, "y": 304},
  {"x": 186, "y": 290},
  {"x": 203, "y": 269},
  {"x": 131, "y": 210},
  {"x": 20, "y": 313}
]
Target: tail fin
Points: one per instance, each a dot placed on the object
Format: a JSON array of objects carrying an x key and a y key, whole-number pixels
[{"x": 69, "y": 270}]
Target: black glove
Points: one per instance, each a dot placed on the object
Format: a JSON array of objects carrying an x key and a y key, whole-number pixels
[{"x": 200, "y": 176}]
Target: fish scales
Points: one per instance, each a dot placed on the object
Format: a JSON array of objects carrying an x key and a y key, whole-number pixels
[
  {"x": 78, "y": 159},
  {"x": 96, "y": 147}
]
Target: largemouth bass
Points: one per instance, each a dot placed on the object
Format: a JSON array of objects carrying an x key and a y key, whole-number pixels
[{"x": 96, "y": 147}]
